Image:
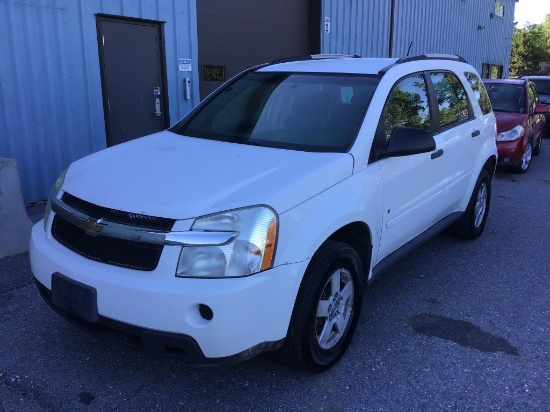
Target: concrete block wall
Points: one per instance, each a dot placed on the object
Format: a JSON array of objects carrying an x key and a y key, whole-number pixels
[{"x": 15, "y": 226}]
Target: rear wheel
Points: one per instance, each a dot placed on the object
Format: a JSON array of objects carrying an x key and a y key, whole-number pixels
[
  {"x": 472, "y": 223},
  {"x": 538, "y": 147},
  {"x": 326, "y": 310},
  {"x": 525, "y": 159}
]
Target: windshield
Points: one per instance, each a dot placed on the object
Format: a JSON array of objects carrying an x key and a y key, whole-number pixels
[
  {"x": 299, "y": 111},
  {"x": 542, "y": 86},
  {"x": 506, "y": 97}
]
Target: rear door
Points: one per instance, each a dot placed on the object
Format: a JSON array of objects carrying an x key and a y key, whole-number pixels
[{"x": 458, "y": 136}]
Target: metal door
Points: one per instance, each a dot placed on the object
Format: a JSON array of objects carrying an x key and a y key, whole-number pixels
[
  {"x": 133, "y": 77},
  {"x": 237, "y": 34}
]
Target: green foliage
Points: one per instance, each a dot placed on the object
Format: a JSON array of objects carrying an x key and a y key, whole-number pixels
[{"x": 530, "y": 48}]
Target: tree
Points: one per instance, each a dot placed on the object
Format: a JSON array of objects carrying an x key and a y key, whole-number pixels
[{"x": 530, "y": 47}]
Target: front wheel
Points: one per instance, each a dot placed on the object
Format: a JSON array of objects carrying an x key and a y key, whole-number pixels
[
  {"x": 525, "y": 159},
  {"x": 472, "y": 223},
  {"x": 326, "y": 310}
]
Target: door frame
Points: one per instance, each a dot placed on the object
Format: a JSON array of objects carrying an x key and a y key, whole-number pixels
[{"x": 162, "y": 61}]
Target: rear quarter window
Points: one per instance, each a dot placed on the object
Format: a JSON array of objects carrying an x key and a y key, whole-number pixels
[{"x": 480, "y": 92}]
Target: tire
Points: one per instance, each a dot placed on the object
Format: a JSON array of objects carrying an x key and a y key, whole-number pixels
[
  {"x": 471, "y": 224},
  {"x": 537, "y": 149},
  {"x": 324, "y": 319},
  {"x": 526, "y": 158}
]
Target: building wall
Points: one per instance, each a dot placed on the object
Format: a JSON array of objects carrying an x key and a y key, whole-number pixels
[
  {"x": 51, "y": 110},
  {"x": 356, "y": 27},
  {"x": 51, "y": 107},
  {"x": 462, "y": 27}
]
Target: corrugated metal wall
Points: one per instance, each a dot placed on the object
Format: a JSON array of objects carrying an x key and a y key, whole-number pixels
[
  {"x": 356, "y": 27},
  {"x": 51, "y": 110},
  {"x": 463, "y": 27}
]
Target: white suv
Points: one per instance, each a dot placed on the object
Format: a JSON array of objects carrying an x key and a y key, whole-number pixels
[{"x": 257, "y": 221}]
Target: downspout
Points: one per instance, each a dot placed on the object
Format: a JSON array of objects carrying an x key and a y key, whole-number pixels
[{"x": 392, "y": 16}]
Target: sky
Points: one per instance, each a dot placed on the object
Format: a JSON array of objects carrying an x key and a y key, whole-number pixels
[{"x": 531, "y": 11}]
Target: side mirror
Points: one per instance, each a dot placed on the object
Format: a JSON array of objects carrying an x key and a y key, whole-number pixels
[
  {"x": 406, "y": 141},
  {"x": 542, "y": 108}
]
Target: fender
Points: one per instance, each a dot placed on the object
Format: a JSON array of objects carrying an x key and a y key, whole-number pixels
[{"x": 304, "y": 228}]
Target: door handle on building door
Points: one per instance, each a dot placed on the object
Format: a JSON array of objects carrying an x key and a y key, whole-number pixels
[{"x": 157, "y": 107}]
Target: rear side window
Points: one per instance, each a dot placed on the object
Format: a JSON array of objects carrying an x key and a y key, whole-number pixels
[
  {"x": 479, "y": 90},
  {"x": 452, "y": 99}
]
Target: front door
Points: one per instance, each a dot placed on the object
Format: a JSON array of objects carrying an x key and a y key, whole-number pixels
[{"x": 133, "y": 77}]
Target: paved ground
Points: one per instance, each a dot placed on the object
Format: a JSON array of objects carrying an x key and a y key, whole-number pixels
[{"x": 456, "y": 326}]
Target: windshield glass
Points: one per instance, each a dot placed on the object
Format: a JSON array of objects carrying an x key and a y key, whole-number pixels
[
  {"x": 506, "y": 97},
  {"x": 543, "y": 86},
  {"x": 299, "y": 111}
]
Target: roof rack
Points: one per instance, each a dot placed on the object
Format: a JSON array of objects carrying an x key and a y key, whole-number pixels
[
  {"x": 431, "y": 57},
  {"x": 306, "y": 57},
  {"x": 424, "y": 57}
]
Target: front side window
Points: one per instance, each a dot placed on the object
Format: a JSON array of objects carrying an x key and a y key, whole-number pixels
[
  {"x": 407, "y": 106},
  {"x": 452, "y": 99},
  {"x": 479, "y": 91},
  {"x": 298, "y": 111},
  {"x": 533, "y": 97}
]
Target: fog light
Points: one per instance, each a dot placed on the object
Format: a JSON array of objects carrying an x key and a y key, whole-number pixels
[
  {"x": 206, "y": 312},
  {"x": 506, "y": 159}
]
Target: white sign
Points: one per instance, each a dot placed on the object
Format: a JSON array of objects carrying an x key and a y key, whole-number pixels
[
  {"x": 499, "y": 9},
  {"x": 184, "y": 65},
  {"x": 327, "y": 24}
]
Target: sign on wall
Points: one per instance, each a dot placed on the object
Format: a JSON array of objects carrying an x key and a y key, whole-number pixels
[{"x": 499, "y": 9}]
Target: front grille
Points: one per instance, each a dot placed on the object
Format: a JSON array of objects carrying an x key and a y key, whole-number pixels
[
  {"x": 135, "y": 219},
  {"x": 113, "y": 251}
]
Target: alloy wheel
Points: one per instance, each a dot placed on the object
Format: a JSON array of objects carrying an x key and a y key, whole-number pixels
[{"x": 335, "y": 308}]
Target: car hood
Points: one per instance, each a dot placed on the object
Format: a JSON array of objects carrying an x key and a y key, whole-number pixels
[
  {"x": 507, "y": 121},
  {"x": 179, "y": 177}
]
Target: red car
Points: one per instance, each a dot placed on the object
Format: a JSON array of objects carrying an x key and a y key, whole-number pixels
[{"x": 520, "y": 121}]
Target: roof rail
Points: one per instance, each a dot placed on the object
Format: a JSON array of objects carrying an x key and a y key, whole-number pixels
[
  {"x": 306, "y": 57},
  {"x": 431, "y": 57},
  {"x": 424, "y": 57}
]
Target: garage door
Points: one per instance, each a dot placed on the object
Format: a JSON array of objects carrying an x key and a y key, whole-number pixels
[{"x": 234, "y": 35}]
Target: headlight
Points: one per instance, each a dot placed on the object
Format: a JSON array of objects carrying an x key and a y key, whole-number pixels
[
  {"x": 250, "y": 252},
  {"x": 56, "y": 188},
  {"x": 510, "y": 135}
]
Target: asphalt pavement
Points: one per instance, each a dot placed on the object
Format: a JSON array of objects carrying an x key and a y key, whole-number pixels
[{"x": 455, "y": 326}]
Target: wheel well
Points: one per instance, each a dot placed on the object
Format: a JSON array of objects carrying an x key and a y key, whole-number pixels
[
  {"x": 490, "y": 166},
  {"x": 358, "y": 236}
]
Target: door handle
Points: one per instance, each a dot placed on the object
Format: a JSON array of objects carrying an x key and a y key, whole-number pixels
[
  {"x": 437, "y": 153},
  {"x": 476, "y": 133},
  {"x": 157, "y": 107}
]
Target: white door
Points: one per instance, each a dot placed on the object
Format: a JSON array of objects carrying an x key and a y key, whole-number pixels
[{"x": 412, "y": 184}]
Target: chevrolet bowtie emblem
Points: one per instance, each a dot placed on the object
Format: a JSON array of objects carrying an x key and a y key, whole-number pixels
[{"x": 93, "y": 226}]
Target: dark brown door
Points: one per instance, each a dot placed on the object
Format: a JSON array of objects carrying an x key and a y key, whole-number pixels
[{"x": 133, "y": 77}]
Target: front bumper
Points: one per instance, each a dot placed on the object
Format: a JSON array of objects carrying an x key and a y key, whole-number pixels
[
  {"x": 510, "y": 153},
  {"x": 162, "y": 312}
]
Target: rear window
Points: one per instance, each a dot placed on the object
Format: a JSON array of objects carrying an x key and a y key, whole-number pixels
[{"x": 299, "y": 111}]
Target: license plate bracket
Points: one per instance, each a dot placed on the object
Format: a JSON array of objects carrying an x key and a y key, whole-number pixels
[{"x": 74, "y": 297}]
